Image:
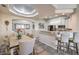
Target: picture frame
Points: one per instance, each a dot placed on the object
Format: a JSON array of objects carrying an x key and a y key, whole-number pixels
[
  {"x": 27, "y": 26},
  {"x": 41, "y": 25}
]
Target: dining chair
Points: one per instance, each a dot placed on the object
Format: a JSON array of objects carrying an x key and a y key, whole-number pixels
[
  {"x": 3, "y": 49},
  {"x": 3, "y": 46},
  {"x": 8, "y": 41},
  {"x": 13, "y": 49},
  {"x": 26, "y": 47}
]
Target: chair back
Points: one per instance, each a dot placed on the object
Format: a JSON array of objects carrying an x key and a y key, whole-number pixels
[
  {"x": 66, "y": 36},
  {"x": 58, "y": 35},
  {"x": 3, "y": 46},
  {"x": 26, "y": 47},
  {"x": 76, "y": 38}
]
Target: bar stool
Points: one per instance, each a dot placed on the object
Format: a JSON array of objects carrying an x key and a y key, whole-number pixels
[
  {"x": 65, "y": 40},
  {"x": 76, "y": 41},
  {"x": 71, "y": 43},
  {"x": 58, "y": 38}
]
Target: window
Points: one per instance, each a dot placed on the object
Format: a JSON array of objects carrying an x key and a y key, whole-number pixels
[{"x": 20, "y": 26}]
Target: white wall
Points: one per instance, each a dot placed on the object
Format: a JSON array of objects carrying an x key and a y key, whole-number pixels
[
  {"x": 9, "y": 17},
  {"x": 77, "y": 21},
  {"x": 72, "y": 22}
]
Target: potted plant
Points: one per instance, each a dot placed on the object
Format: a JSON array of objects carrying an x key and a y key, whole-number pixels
[{"x": 19, "y": 34}]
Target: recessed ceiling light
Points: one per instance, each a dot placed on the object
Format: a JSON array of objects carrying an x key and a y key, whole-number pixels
[{"x": 56, "y": 15}]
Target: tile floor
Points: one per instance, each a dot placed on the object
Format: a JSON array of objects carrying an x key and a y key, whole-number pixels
[{"x": 42, "y": 49}]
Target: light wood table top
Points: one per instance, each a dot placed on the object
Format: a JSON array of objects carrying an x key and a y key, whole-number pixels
[{"x": 15, "y": 42}]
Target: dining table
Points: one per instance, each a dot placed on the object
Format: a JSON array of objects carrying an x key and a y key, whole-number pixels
[{"x": 14, "y": 42}]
